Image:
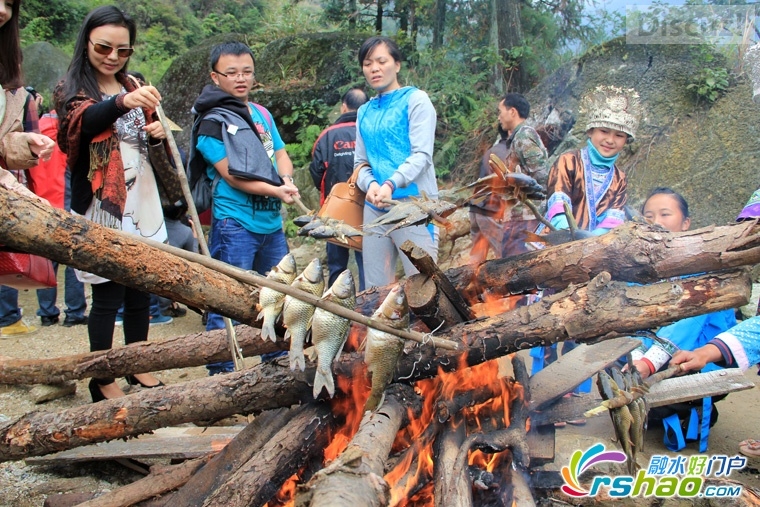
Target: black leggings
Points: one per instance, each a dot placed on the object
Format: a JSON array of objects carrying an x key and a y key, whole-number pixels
[{"x": 106, "y": 300}]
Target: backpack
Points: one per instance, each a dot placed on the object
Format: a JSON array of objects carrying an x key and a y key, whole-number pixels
[{"x": 202, "y": 187}]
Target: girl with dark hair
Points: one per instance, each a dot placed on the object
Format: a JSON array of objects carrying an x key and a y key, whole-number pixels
[
  {"x": 107, "y": 130},
  {"x": 21, "y": 144},
  {"x": 395, "y": 133},
  {"x": 669, "y": 209}
]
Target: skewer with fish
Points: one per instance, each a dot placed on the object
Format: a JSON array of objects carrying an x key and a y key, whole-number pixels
[
  {"x": 329, "y": 331},
  {"x": 382, "y": 349},
  {"x": 414, "y": 211},
  {"x": 296, "y": 314},
  {"x": 271, "y": 301}
]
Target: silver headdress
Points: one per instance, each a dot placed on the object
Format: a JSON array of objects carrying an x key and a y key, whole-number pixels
[
  {"x": 612, "y": 107},
  {"x": 752, "y": 66}
]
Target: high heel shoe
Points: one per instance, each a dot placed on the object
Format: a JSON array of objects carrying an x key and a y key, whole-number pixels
[
  {"x": 95, "y": 392},
  {"x": 132, "y": 380}
]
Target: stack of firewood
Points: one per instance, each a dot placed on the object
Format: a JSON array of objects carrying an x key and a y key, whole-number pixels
[{"x": 592, "y": 300}]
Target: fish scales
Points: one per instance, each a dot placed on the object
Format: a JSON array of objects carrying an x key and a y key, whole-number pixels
[
  {"x": 329, "y": 331},
  {"x": 271, "y": 301},
  {"x": 296, "y": 314},
  {"x": 384, "y": 349}
]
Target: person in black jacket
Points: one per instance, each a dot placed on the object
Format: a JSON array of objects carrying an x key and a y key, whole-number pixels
[{"x": 332, "y": 161}]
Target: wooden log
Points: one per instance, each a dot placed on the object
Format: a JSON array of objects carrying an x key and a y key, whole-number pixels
[
  {"x": 150, "y": 266},
  {"x": 356, "y": 476},
  {"x": 234, "y": 455},
  {"x": 195, "y": 349},
  {"x": 425, "y": 264},
  {"x": 601, "y": 309},
  {"x": 301, "y": 440},
  {"x": 452, "y": 489},
  {"x": 427, "y": 303},
  {"x": 632, "y": 252},
  {"x": 31, "y": 226},
  {"x": 158, "y": 482}
]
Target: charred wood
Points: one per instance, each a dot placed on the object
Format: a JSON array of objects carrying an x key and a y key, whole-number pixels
[
  {"x": 356, "y": 476},
  {"x": 452, "y": 486},
  {"x": 300, "y": 441},
  {"x": 601, "y": 309}
]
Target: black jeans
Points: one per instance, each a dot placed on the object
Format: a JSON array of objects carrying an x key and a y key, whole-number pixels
[{"x": 106, "y": 300}]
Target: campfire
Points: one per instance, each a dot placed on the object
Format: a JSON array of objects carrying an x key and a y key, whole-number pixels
[{"x": 452, "y": 428}]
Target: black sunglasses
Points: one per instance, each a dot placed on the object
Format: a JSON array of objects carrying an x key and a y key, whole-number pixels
[{"x": 105, "y": 50}]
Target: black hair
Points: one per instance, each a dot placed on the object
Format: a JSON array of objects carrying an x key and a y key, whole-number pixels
[
  {"x": 682, "y": 204},
  {"x": 354, "y": 98},
  {"x": 10, "y": 51},
  {"x": 81, "y": 75},
  {"x": 518, "y": 102},
  {"x": 229, "y": 48},
  {"x": 370, "y": 44},
  {"x": 137, "y": 75}
]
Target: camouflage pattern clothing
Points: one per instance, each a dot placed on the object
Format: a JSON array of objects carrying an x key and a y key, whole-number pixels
[{"x": 526, "y": 154}]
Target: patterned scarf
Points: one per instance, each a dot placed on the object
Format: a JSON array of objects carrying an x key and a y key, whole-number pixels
[{"x": 106, "y": 173}]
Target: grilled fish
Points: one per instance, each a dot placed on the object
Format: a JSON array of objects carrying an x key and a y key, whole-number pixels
[
  {"x": 329, "y": 331},
  {"x": 270, "y": 301},
  {"x": 296, "y": 314},
  {"x": 383, "y": 349}
]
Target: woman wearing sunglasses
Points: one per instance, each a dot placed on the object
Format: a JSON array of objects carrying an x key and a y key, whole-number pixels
[{"x": 107, "y": 128}]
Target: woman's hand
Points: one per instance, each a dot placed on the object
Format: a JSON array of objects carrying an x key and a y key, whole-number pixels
[
  {"x": 155, "y": 130},
  {"x": 41, "y": 145},
  {"x": 145, "y": 96},
  {"x": 377, "y": 193}
]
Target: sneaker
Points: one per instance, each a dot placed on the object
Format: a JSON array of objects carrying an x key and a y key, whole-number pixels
[
  {"x": 74, "y": 321},
  {"x": 119, "y": 320},
  {"x": 49, "y": 321},
  {"x": 17, "y": 328},
  {"x": 160, "y": 320}
]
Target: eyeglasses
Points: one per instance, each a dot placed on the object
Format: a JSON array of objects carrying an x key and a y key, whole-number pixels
[
  {"x": 105, "y": 50},
  {"x": 246, "y": 74}
]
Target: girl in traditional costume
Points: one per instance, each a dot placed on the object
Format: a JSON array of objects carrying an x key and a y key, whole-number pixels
[{"x": 588, "y": 179}]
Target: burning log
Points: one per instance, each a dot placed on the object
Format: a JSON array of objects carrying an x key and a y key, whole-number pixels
[
  {"x": 601, "y": 309},
  {"x": 300, "y": 441},
  {"x": 234, "y": 455},
  {"x": 356, "y": 476},
  {"x": 632, "y": 252},
  {"x": 181, "y": 352},
  {"x": 452, "y": 486},
  {"x": 512, "y": 438}
]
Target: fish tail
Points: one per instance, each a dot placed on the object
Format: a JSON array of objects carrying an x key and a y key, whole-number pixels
[
  {"x": 267, "y": 331},
  {"x": 297, "y": 360},
  {"x": 374, "y": 401},
  {"x": 322, "y": 379}
]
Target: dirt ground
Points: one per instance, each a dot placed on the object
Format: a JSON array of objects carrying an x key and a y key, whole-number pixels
[{"x": 24, "y": 485}]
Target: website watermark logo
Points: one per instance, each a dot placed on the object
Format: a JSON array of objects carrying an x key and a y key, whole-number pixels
[
  {"x": 664, "y": 477},
  {"x": 688, "y": 24}
]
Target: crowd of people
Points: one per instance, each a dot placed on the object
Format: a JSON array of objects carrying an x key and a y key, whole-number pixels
[{"x": 106, "y": 167}]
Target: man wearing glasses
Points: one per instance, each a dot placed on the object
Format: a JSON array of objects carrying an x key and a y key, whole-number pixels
[{"x": 249, "y": 183}]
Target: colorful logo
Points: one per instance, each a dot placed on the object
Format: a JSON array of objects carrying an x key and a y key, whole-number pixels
[
  {"x": 581, "y": 461},
  {"x": 664, "y": 477}
]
